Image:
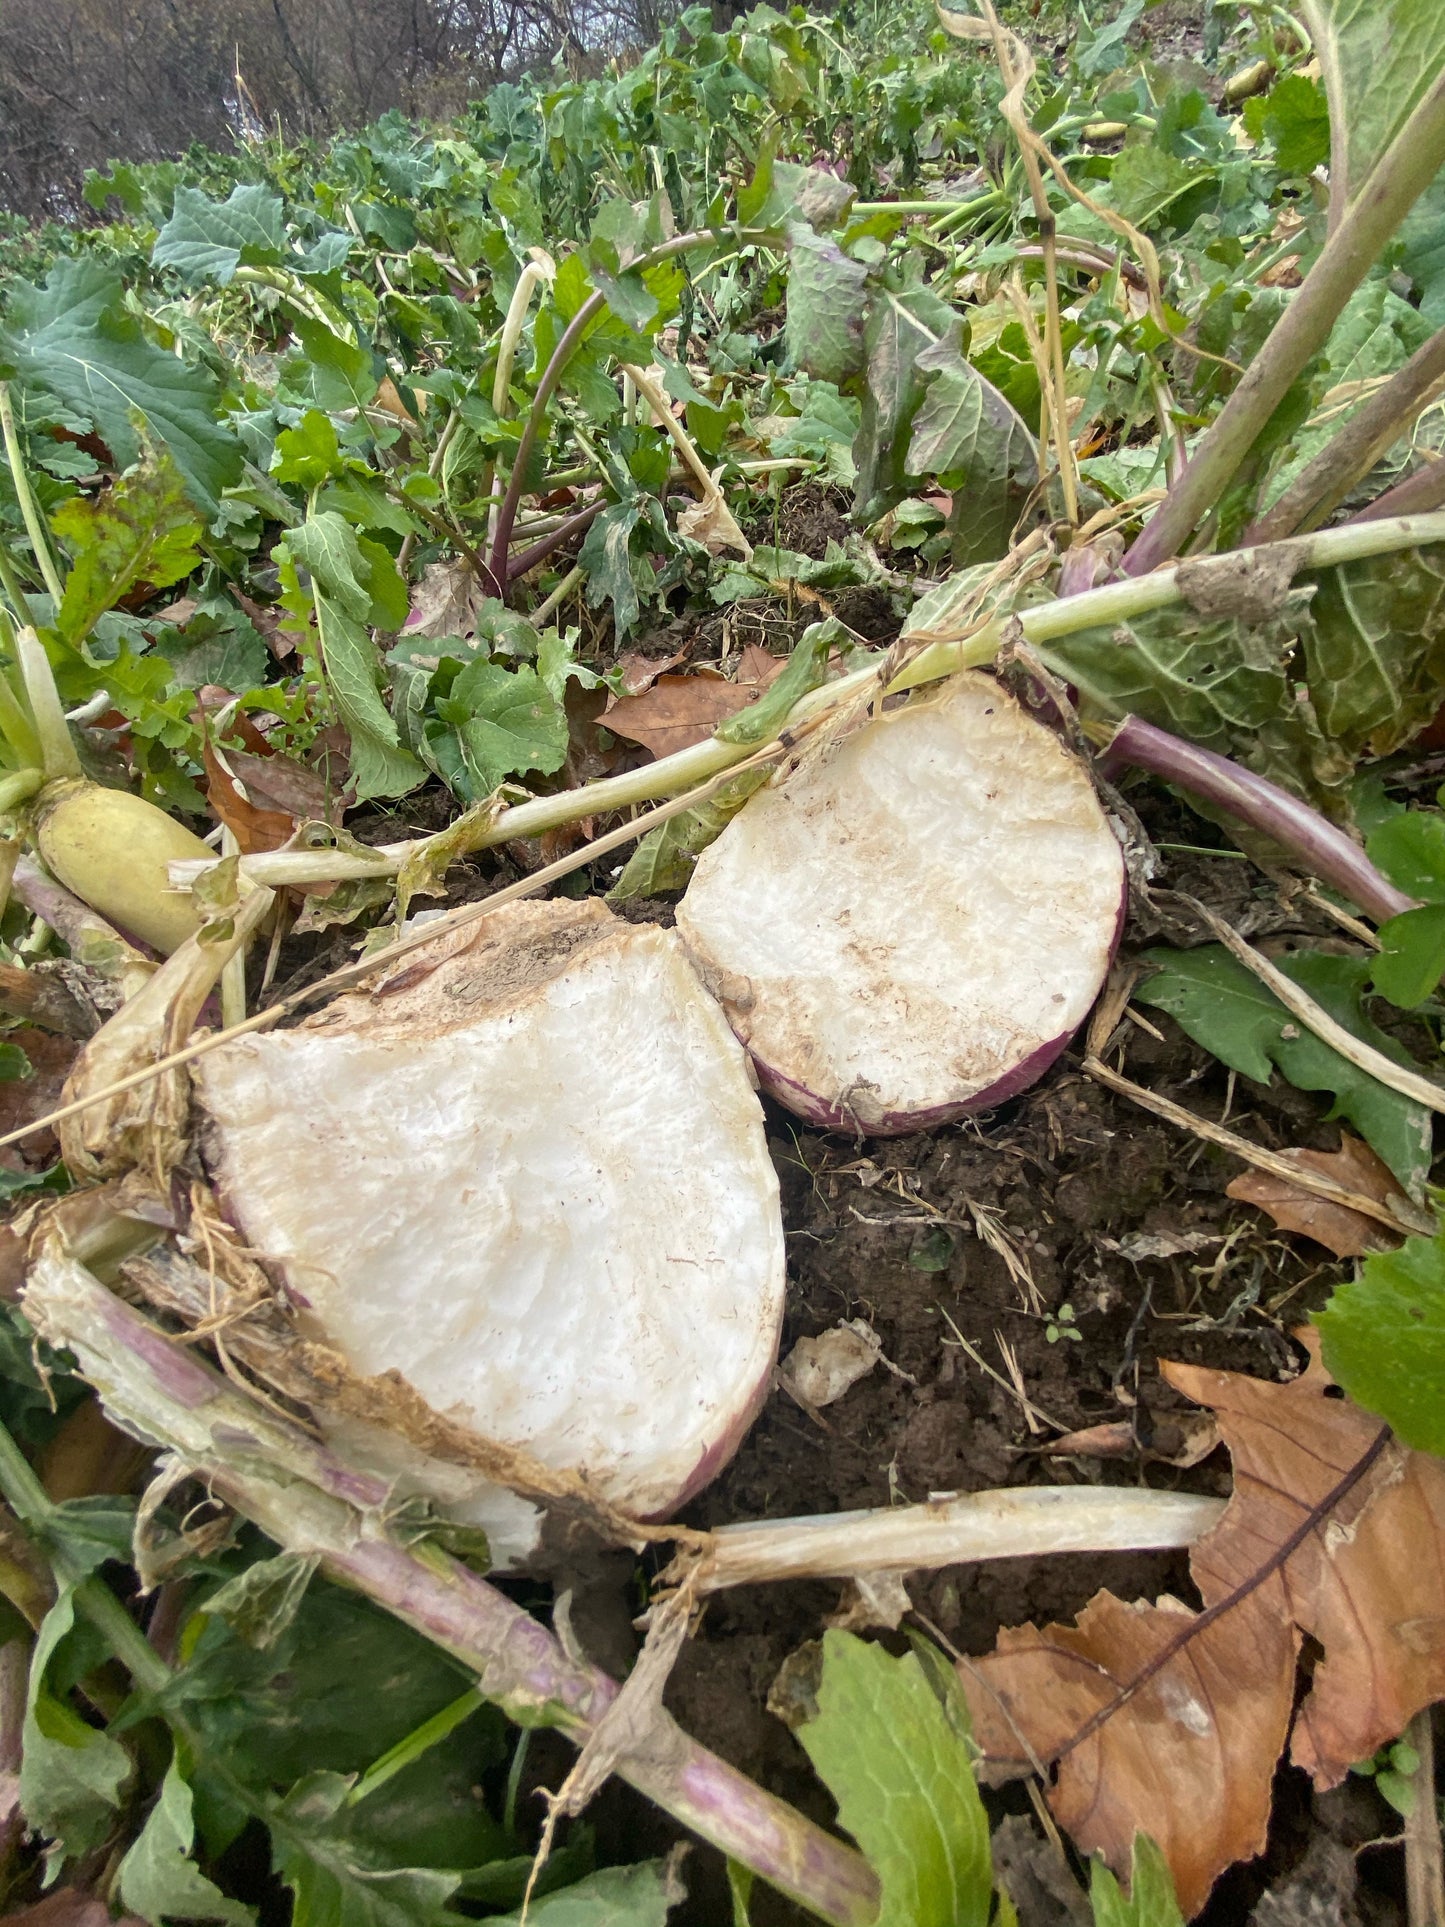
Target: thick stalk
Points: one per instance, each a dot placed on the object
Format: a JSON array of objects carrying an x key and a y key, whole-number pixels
[
  {"x": 57, "y": 749},
  {"x": 29, "y": 507},
  {"x": 18, "y": 787},
  {"x": 267, "y": 1470},
  {"x": 516, "y": 319},
  {"x": 15, "y": 724},
  {"x": 1418, "y": 494},
  {"x": 1349, "y": 456},
  {"x": 545, "y": 545},
  {"x": 1407, "y": 169},
  {"x": 14, "y": 592},
  {"x": 1112, "y": 603},
  {"x": 1320, "y": 846},
  {"x": 571, "y": 340}
]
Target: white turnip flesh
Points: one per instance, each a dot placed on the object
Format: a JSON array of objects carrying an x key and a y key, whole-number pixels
[
  {"x": 526, "y": 1169},
  {"x": 912, "y": 925}
]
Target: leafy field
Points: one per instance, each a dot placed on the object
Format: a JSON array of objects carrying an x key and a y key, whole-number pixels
[{"x": 511, "y": 507}]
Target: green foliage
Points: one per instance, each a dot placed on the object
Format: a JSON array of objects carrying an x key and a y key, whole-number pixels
[
  {"x": 1384, "y": 1339},
  {"x": 897, "y": 1759},
  {"x": 1225, "y": 1008},
  {"x": 158, "y": 1878},
  {"x": 71, "y": 1774},
  {"x": 142, "y": 529},
  {"x": 1150, "y": 1901}
]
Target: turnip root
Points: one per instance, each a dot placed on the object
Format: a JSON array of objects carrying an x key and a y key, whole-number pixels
[
  {"x": 111, "y": 849},
  {"x": 912, "y": 926},
  {"x": 526, "y": 1171}
]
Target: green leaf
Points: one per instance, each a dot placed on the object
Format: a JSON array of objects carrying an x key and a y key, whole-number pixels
[
  {"x": 1229, "y": 1011},
  {"x": 901, "y": 1771},
  {"x": 1101, "y": 51},
  {"x": 335, "y": 1875},
  {"x": 1151, "y": 1900},
  {"x": 1146, "y": 181},
  {"x": 1378, "y": 58},
  {"x": 827, "y": 303},
  {"x": 71, "y": 1774},
  {"x": 141, "y": 529},
  {"x": 640, "y": 1896},
  {"x": 261, "y": 1603},
  {"x": 73, "y": 342},
  {"x": 1412, "y": 956},
  {"x": 805, "y": 669},
  {"x": 666, "y": 857},
  {"x": 900, "y": 327},
  {"x": 508, "y": 722},
  {"x": 159, "y": 1880},
  {"x": 1293, "y": 115},
  {"x": 1383, "y": 1339},
  {"x": 379, "y": 764},
  {"x": 15, "y": 1066},
  {"x": 308, "y": 454},
  {"x": 1410, "y": 849},
  {"x": 966, "y": 430},
  {"x": 606, "y": 555},
  {"x": 206, "y": 240},
  {"x": 331, "y": 372},
  {"x": 219, "y": 645}
]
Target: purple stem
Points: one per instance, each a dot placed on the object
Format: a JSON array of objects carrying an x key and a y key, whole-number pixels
[
  {"x": 307, "y": 1498},
  {"x": 1416, "y": 495},
  {"x": 522, "y": 564},
  {"x": 1319, "y": 845}
]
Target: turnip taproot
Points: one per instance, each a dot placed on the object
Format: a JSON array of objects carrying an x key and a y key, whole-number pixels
[
  {"x": 111, "y": 849},
  {"x": 526, "y": 1170},
  {"x": 913, "y": 924}
]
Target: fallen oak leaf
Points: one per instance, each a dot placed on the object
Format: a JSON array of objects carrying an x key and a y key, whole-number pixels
[
  {"x": 637, "y": 672},
  {"x": 676, "y": 712},
  {"x": 1334, "y": 1530},
  {"x": 1346, "y": 1233}
]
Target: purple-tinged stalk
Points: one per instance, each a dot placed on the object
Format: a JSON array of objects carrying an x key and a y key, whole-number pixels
[
  {"x": 1418, "y": 494},
  {"x": 1319, "y": 845},
  {"x": 308, "y": 1500},
  {"x": 1411, "y": 162}
]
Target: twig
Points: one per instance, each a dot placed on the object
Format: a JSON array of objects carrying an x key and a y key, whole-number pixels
[
  {"x": 1398, "y": 1215},
  {"x": 1424, "y": 1860},
  {"x": 1412, "y": 1084}
]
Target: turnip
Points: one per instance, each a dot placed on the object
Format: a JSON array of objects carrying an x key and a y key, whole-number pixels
[
  {"x": 525, "y": 1170},
  {"x": 912, "y": 925},
  {"x": 111, "y": 849}
]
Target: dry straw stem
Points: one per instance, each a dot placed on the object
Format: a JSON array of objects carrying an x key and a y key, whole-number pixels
[
  {"x": 309, "y": 1501},
  {"x": 1424, "y": 1860},
  {"x": 1016, "y": 1524},
  {"x": 1411, "y": 1084}
]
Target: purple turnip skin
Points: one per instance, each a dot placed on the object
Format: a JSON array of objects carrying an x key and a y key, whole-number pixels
[{"x": 890, "y": 930}]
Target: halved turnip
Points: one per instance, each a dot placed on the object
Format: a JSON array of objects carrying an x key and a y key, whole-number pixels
[
  {"x": 527, "y": 1171},
  {"x": 913, "y": 925}
]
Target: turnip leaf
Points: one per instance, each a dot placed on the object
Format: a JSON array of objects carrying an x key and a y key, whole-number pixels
[{"x": 1384, "y": 1340}]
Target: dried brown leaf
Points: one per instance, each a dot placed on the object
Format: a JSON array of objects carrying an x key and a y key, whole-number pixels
[
  {"x": 1348, "y": 1234},
  {"x": 254, "y": 828},
  {"x": 676, "y": 712},
  {"x": 1170, "y": 1721},
  {"x": 638, "y": 672},
  {"x": 69, "y": 1907},
  {"x": 711, "y": 522}
]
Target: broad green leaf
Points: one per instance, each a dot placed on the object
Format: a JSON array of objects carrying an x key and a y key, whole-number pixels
[
  {"x": 335, "y": 1874},
  {"x": 141, "y": 529},
  {"x": 1410, "y": 849},
  {"x": 1412, "y": 956},
  {"x": 1384, "y": 1339},
  {"x": 71, "y": 1773},
  {"x": 640, "y": 1896},
  {"x": 1374, "y": 650},
  {"x": 1146, "y": 181},
  {"x": 357, "y": 573},
  {"x": 379, "y": 764},
  {"x": 607, "y": 557},
  {"x": 1150, "y": 1902},
  {"x": 159, "y": 1880},
  {"x": 508, "y": 722},
  {"x": 219, "y": 645},
  {"x": 14, "y": 1064},
  {"x": 1102, "y": 50},
  {"x": 827, "y": 301},
  {"x": 902, "y": 1774},
  {"x": 74, "y": 343},
  {"x": 1229, "y": 1011},
  {"x": 1296, "y": 118},
  {"x": 89, "y": 1530},
  {"x": 1379, "y": 58},
  {"x": 206, "y": 240},
  {"x": 333, "y": 373},
  {"x": 308, "y": 454}
]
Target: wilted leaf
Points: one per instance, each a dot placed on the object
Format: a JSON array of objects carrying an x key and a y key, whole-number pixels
[
  {"x": 1168, "y": 1721},
  {"x": 898, "y": 1762},
  {"x": 68, "y": 1907},
  {"x": 711, "y": 522},
  {"x": 1384, "y": 1340},
  {"x": 158, "y": 1879},
  {"x": 1348, "y": 1234},
  {"x": 337, "y": 1876},
  {"x": 822, "y": 1369},
  {"x": 253, "y": 827},
  {"x": 900, "y": 328},
  {"x": 1230, "y": 1012},
  {"x": 442, "y": 602},
  {"x": 71, "y": 1774},
  {"x": 142, "y": 529},
  {"x": 827, "y": 300}
]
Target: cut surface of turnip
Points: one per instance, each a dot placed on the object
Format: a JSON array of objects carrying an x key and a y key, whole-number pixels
[
  {"x": 914, "y": 923},
  {"x": 527, "y": 1171}
]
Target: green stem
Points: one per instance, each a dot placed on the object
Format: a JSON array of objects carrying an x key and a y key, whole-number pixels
[
  {"x": 1408, "y": 167},
  {"x": 57, "y": 750},
  {"x": 29, "y": 508},
  {"x": 426, "y": 1736},
  {"x": 14, "y": 593},
  {"x": 15, "y": 724},
  {"x": 1104, "y": 607},
  {"x": 18, "y": 786}
]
